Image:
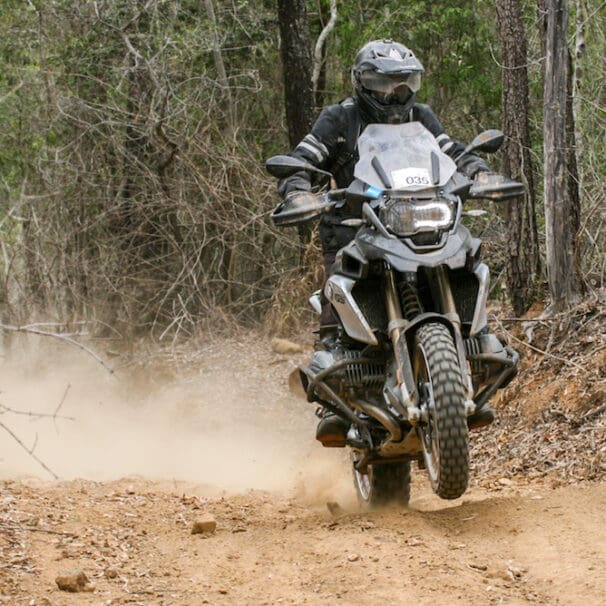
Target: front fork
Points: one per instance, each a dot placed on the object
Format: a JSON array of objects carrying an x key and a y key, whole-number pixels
[
  {"x": 396, "y": 328},
  {"x": 400, "y": 329},
  {"x": 449, "y": 310}
]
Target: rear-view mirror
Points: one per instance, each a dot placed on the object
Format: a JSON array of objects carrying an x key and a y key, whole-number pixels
[{"x": 489, "y": 141}]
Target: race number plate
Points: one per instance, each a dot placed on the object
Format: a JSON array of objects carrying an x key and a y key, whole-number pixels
[{"x": 410, "y": 178}]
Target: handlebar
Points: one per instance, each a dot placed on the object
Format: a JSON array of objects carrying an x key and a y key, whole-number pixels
[{"x": 308, "y": 206}]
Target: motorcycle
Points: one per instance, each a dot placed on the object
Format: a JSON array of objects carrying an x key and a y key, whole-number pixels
[{"x": 416, "y": 361}]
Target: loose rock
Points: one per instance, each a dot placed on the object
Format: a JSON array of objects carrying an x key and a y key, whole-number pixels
[
  {"x": 206, "y": 525},
  {"x": 74, "y": 582},
  {"x": 284, "y": 346}
]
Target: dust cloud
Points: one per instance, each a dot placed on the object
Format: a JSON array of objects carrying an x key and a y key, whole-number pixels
[{"x": 223, "y": 429}]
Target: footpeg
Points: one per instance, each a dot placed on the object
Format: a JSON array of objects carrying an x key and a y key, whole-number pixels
[{"x": 354, "y": 440}]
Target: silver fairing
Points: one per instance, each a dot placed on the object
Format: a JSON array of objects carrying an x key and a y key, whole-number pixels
[
  {"x": 480, "y": 319},
  {"x": 338, "y": 292}
]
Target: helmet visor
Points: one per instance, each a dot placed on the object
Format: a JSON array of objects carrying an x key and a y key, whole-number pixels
[{"x": 389, "y": 85}]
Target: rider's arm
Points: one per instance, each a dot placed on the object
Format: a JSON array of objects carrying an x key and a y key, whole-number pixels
[
  {"x": 318, "y": 147},
  {"x": 469, "y": 164}
]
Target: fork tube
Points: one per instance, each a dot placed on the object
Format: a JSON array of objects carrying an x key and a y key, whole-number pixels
[
  {"x": 395, "y": 327},
  {"x": 446, "y": 299},
  {"x": 450, "y": 311},
  {"x": 392, "y": 302}
]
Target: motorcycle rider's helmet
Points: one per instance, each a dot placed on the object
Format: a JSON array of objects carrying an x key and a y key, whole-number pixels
[{"x": 386, "y": 76}]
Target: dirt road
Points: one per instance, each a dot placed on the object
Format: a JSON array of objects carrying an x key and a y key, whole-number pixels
[
  {"x": 241, "y": 451},
  {"x": 133, "y": 540}
]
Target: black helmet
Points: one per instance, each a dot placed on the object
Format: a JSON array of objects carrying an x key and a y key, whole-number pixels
[{"x": 386, "y": 75}]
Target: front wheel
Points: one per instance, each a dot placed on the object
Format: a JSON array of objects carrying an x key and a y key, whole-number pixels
[
  {"x": 443, "y": 432},
  {"x": 385, "y": 483}
]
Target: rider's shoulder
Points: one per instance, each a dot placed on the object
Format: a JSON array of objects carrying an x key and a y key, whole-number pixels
[
  {"x": 349, "y": 102},
  {"x": 338, "y": 115},
  {"x": 341, "y": 108},
  {"x": 423, "y": 109}
]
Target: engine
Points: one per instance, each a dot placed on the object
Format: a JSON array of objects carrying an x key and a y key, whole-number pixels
[{"x": 345, "y": 369}]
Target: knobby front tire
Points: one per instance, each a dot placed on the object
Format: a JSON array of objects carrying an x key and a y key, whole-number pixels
[{"x": 444, "y": 436}]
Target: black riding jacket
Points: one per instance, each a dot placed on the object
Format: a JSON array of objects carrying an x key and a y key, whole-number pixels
[{"x": 332, "y": 145}]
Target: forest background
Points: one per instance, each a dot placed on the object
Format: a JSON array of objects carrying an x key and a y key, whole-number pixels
[{"x": 133, "y": 195}]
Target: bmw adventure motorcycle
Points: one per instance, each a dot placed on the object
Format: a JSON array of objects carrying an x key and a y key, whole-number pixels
[{"x": 416, "y": 362}]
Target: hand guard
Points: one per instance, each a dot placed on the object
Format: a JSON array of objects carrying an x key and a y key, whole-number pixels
[
  {"x": 299, "y": 207},
  {"x": 490, "y": 186}
]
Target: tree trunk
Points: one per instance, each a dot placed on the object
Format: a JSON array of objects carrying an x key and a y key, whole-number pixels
[
  {"x": 297, "y": 68},
  {"x": 523, "y": 262},
  {"x": 574, "y": 179},
  {"x": 559, "y": 215}
]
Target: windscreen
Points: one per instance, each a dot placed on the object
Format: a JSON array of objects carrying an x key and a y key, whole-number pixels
[{"x": 403, "y": 152}]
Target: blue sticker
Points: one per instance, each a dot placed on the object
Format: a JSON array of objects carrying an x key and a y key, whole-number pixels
[{"x": 373, "y": 192}]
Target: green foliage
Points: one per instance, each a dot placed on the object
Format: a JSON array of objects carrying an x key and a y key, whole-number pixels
[
  {"x": 123, "y": 185},
  {"x": 117, "y": 164},
  {"x": 454, "y": 43}
]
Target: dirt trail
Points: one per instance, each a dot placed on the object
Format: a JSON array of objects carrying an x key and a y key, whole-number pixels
[
  {"x": 266, "y": 483},
  {"x": 527, "y": 546}
]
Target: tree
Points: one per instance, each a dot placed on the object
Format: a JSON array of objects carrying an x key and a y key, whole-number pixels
[
  {"x": 559, "y": 209},
  {"x": 523, "y": 261},
  {"x": 297, "y": 67}
]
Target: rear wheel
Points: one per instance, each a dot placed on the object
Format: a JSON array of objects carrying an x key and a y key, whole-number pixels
[
  {"x": 384, "y": 484},
  {"x": 443, "y": 432}
]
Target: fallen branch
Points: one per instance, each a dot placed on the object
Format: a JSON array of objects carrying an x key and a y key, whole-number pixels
[
  {"x": 536, "y": 349},
  {"x": 592, "y": 414},
  {"x": 36, "y": 529},
  {"x": 523, "y": 320}
]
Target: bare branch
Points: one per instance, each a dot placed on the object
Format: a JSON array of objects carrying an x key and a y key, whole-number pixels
[
  {"x": 11, "y": 91},
  {"x": 67, "y": 388},
  {"x": 30, "y": 451},
  {"x": 62, "y": 337}
]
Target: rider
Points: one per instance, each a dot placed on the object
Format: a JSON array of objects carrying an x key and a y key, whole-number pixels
[{"x": 386, "y": 76}]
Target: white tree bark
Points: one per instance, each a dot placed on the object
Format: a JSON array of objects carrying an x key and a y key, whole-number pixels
[{"x": 320, "y": 45}]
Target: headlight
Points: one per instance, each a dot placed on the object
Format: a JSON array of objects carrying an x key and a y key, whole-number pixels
[{"x": 409, "y": 217}]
